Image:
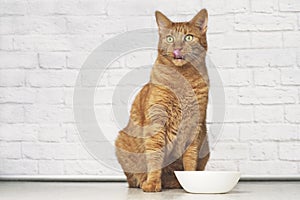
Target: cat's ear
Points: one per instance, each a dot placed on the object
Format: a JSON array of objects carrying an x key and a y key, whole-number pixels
[
  {"x": 162, "y": 20},
  {"x": 200, "y": 20}
]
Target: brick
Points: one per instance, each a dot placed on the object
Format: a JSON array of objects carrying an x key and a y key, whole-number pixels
[
  {"x": 51, "y": 133},
  {"x": 228, "y": 133},
  {"x": 220, "y": 24},
  {"x": 15, "y": 7},
  {"x": 18, "y": 132},
  {"x": 290, "y": 77},
  {"x": 68, "y": 151},
  {"x": 25, "y": 60},
  {"x": 239, "y": 114},
  {"x": 223, "y": 59},
  {"x": 41, "y": 25},
  {"x": 88, "y": 78},
  {"x": 299, "y": 94},
  {"x": 187, "y": 9},
  {"x": 267, "y": 6},
  {"x": 216, "y": 41},
  {"x": 139, "y": 59},
  {"x": 18, "y": 167},
  {"x": 289, "y": 5},
  {"x": 96, "y": 25},
  {"x": 11, "y": 150},
  {"x": 268, "y": 132},
  {"x": 289, "y": 151},
  {"x": 268, "y": 114},
  {"x": 51, "y": 78},
  {"x": 114, "y": 76},
  {"x": 232, "y": 151},
  {"x": 7, "y": 25},
  {"x": 104, "y": 114},
  {"x": 267, "y": 58},
  {"x": 52, "y": 96},
  {"x": 236, "y": 41},
  {"x": 33, "y": 25},
  {"x": 83, "y": 167},
  {"x": 87, "y": 43},
  {"x": 51, "y": 167},
  {"x": 56, "y": 151},
  {"x": 231, "y": 96},
  {"x": 12, "y": 78},
  {"x": 11, "y": 113},
  {"x": 298, "y": 51},
  {"x": 224, "y": 6},
  {"x": 235, "y": 77},
  {"x": 52, "y": 60},
  {"x": 48, "y": 114},
  {"x": 215, "y": 165},
  {"x": 264, "y": 22},
  {"x": 43, "y": 43},
  {"x": 291, "y": 39},
  {"x": 38, "y": 150},
  {"x": 103, "y": 96},
  {"x": 263, "y": 151},
  {"x": 68, "y": 96},
  {"x": 267, "y": 96},
  {"x": 133, "y": 23},
  {"x": 121, "y": 8},
  {"x": 268, "y": 167},
  {"x": 71, "y": 133},
  {"x": 75, "y": 60},
  {"x": 266, "y": 77},
  {"x": 110, "y": 130},
  {"x": 17, "y": 95},
  {"x": 67, "y": 7},
  {"x": 266, "y": 40},
  {"x": 292, "y": 113},
  {"x": 6, "y": 42}
]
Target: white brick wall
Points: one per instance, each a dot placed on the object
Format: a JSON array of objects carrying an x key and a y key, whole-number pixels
[{"x": 43, "y": 44}]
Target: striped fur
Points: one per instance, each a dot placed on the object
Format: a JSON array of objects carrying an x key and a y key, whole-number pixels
[{"x": 167, "y": 126}]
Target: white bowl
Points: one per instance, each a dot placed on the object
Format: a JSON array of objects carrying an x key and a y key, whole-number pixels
[{"x": 213, "y": 182}]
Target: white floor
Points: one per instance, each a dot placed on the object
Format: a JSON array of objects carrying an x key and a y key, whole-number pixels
[{"x": 103, "y": 191}]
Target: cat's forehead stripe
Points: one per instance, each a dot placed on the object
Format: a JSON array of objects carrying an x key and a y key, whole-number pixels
[{"x": 182, "y": 27}]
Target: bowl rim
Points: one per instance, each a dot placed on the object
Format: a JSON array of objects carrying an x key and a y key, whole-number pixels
[{"x": 209, "y": 172}]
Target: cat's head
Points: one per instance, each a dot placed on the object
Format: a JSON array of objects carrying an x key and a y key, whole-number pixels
[{"x": 182, "y": 42}]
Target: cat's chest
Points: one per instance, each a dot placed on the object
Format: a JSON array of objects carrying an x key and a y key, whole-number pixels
[{"x": 195, "y": 78}]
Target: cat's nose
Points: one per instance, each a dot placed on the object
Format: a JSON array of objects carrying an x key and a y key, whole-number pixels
[{"x": 177, "y": 53}]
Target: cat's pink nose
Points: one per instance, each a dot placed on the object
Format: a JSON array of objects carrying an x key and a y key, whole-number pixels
[{"x": 177, "y": 53}]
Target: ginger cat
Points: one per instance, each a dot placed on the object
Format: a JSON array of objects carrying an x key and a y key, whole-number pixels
[{"x": 167, "y": 127}]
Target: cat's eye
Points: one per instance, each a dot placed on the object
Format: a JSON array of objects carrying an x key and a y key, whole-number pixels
[
  {"x": 170, "y": 39},
  {"x": 188, "y": 38}
]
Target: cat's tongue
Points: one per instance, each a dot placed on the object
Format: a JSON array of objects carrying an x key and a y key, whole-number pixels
[{"x": 177, "y": 54}]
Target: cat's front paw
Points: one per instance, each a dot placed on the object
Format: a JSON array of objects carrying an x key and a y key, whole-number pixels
[{"x": 151, "y": 186}]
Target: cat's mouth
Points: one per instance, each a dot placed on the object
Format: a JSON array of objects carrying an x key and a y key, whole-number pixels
[
  {"x": 179, "y": 57},
  {"x": 179, "y": 60}
]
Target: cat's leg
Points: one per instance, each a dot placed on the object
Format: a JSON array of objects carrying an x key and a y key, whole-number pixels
[
  {"x": 132, "y": 181},
  {"x": 203, "y": 155},
  {"x": 169, "y": 180},
  {"x": 202, "y": 163},
  {"x": 141, "y": 178},
  {"x": 190, "y": 157},
  {"x": 154, "y": 149},
  {"x": 135, "y": 180}
]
